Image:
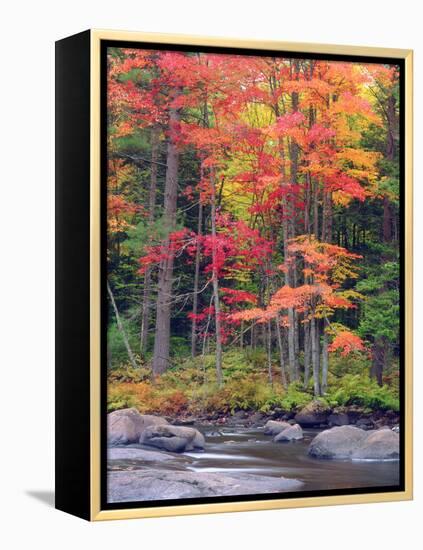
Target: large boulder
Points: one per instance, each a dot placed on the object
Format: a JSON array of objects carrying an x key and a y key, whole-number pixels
[
  {"x": 292, "y": 433},
  {"x": 381, "y": 444},
  {"x": 338, "y": 442},
  {"x": 126, "y": 426},
  {"x": 140, "y": 485},
  {"x": 176, "y": 439},
  {"x": 355, "y": 443},
  {"x": 313, "y": 414},
  {"x": 274, "y": 427}
]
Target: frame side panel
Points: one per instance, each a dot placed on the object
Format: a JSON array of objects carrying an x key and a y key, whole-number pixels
[{"x": 72, "y": 275}]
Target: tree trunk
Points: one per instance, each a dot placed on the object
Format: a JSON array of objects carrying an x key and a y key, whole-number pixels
[
  {"x": 280, "y": 348},
  {"x": 315, "y": 354},
  {"x": 145, "y": 318},
  {"x": 219, "y": 375},
  {"x": 269, "y": 353},
  {"x": 164, "y": 287},
  {"x": 294, "y": 154},
  {"x": 307, "y": 353},
  {"x": 378, "y": 360},
  {"x": 325, "y": 358},
  {"x": 196, "y": 283},
  {"x": 121, "y": 328},
  {"x": 291, "y": 318},
  {"x": 316, "y": 209}
]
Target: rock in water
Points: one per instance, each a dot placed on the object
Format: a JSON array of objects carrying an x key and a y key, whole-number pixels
[
  {"x": 126, "y": 425},
  {"x": 338, "y": 442},
  {"x": 313, "y": 414},
  {"x": 159, "y": 485},
  {"x": 176, "y": 439},
  {"x": 141, "y": 455},
  {"x": 378, "y": 445},
  {"x": 274, "y": 427},
  {"x": 293, "y": 433},
  {"x": 355, "y": 443}
]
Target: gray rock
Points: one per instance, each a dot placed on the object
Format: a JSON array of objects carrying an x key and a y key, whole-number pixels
[
  {"x": 143, "y": 455},
  {"x": 338, "y": 442},
  {"x": 293, "y": 433},
  {"x": 313, "y": 414},
  {"x": 274, "y": 427},
  {"x": 378, "y": 445},
  {"x": 141, "y": 485},
  {"x": 126, "y": 426},
  {"x": 355, "y": 443},
  {"x": 176, "y": 439},
  {"x": 365, "y": 424},
  {"x": 257, "y": 419},
  {"x": 338, "y": 419}
]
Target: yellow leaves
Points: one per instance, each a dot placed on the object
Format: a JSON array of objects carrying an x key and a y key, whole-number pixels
[
  {"x": 341, "y": 199},
  {"x": 365, "y": 160},
  {"x": 115, "y": 225},
  {"x": 344, "y": 269}
]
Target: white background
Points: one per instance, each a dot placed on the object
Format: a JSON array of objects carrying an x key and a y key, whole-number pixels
[{"x": 28, "y": 32}]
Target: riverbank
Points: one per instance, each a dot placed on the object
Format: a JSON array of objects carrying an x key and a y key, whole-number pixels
[{"x": 338, "y": 416}]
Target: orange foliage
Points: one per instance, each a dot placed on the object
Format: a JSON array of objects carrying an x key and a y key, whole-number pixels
[{"x": 346, "y": 342}]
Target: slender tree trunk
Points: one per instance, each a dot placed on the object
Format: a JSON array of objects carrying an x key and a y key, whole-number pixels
[
  {"x": 296, "y": 334},
  {"x": 324, "y": 215},
  {"x": 121, "y": 328},
  {"x": 325, "y": 358},
  {"x": 269, "y": 353},
  {"x": 307, "y": 354},
  {"x": 164, "y": 287},
  {"x": 196, "y": 283},
  {"x": 280, "y": 348},
  {"x": 329, "y": 221},
  {"x": 315, "y": 354},
  {"x": 316, "y": 209},
  {"x": 288, "y": 282},
  {"x": 219, "y": 374},
  {"x": 307, "y": 203},
  {"x": 145, "y": 318},
  {"x": 294, "y": 155}
]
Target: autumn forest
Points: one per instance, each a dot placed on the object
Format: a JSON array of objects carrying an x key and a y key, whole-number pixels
[{"x": 253, "y": 230}]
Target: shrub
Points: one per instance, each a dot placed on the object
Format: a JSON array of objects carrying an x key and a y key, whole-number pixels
[
  {"x": 356, "y": 389},
  {"x": 295, "y": 397},
  {"x": 354, "y": 363},
  {"x": 118, "y": 399},
  {"x": 129, "y": 374}
]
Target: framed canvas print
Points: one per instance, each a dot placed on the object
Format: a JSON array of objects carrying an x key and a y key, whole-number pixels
[{"x": 234, "y": 281}]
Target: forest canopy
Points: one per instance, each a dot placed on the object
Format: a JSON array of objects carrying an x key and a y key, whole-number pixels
[{"x": 252, "y": 231}]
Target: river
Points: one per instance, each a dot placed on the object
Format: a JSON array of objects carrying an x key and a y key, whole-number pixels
[{"x": 247, "y": 450}]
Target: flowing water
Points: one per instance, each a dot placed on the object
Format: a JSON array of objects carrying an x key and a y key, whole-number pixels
[{"x": 248, "y": 450}]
